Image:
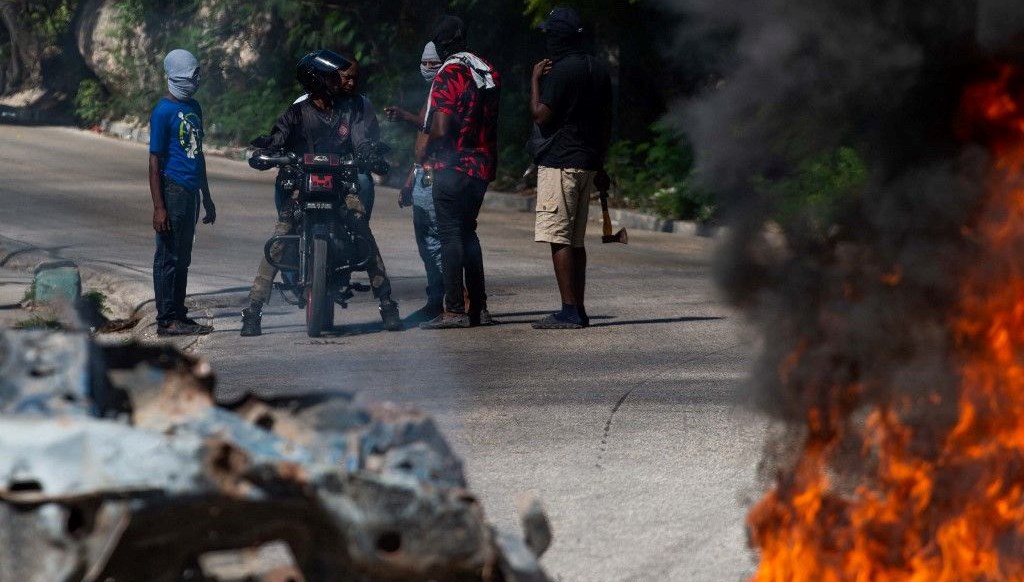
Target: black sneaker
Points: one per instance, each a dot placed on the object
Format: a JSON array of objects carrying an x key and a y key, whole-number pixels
[
  {"x": 251, "y": 322},
  {"x": 483, "y": 319},
  {"x": 557, "y": 321},
  {"x": 389, "y": 313},
  {"x": 204, "y": 329},
  {"x": 448, "y": 320},
  {"x": 584, "y": 318},
  {"x": 175, "y": 328}
]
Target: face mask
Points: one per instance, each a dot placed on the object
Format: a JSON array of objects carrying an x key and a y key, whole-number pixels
[
  {"x": 182, "y": 70},
  {"x": 183, "y": 88},
  {"x": 429, "y": 72},
  {"x": 562, "y": 44}
]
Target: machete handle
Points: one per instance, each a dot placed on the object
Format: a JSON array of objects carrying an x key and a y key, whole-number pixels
[{"x": 606, "y": 227}]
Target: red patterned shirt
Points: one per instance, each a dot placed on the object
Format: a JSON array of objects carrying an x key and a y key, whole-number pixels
[{"x": 474, "y": 114}]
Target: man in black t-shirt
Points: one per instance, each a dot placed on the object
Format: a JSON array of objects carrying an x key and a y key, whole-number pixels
[{"x": 571, "y": 102}]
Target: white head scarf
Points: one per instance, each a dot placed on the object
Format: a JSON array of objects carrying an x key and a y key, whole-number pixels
[{"x": 430, "y": 54}]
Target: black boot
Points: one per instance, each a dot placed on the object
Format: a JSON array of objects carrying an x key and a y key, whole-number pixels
[
  {"x": 251, "y": 319},
  {"x": 389, "y": 313}
]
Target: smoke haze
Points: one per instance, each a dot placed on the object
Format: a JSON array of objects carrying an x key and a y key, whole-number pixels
[
  {"x": 853, "y": 296},
  {"x": 861, "y": 292}
]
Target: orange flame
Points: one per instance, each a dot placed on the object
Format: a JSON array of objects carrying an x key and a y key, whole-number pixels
[{"x": 957, "y": 516}]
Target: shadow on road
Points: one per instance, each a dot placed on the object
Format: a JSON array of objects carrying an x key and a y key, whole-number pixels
[
  {"x": 652, "y": 321},
  {"x": 522, "y": 314},
  {"x": 502, "y": 317}
]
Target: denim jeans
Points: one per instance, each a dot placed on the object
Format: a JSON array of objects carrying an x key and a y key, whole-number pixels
[
  {"x": 424, "y": 221},
  {"x": 457, "y": 200},
  {"x": 174, "y": 252}
]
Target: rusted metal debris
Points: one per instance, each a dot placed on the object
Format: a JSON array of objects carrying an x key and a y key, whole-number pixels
[{"x": 116, "y": 464}]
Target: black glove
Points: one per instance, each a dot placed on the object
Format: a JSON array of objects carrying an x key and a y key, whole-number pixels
[
  {"x": 256, "y": 163},
  {"x": 380, "y": 167}
]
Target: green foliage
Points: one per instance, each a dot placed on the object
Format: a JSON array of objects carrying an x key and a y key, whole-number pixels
[
  {"x": 239, "y": 115},
  {"x": 30, "y": 293},
  {"x": 50, "y": 22},
  {"x": 655, "y": 176},
  {"x": 90, "y": 102},
  {"x": 133, "y": 92},
  {"x": 130, "y": 14},
  {"x": 810, "y": 198},
  {"x": 96, "y": 302},
  {"x": 39, "y": 321}
]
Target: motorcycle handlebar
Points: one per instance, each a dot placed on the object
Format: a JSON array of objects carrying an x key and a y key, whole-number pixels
[
  {"x": 287, "y": 159},
  {"x": 264, "y": 160},
  {"x": 280, "y": 160}
]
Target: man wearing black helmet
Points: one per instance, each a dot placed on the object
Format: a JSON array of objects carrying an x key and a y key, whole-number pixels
[{"x": 330, "y": 120}]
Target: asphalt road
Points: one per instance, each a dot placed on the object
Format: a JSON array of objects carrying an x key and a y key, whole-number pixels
[{"x": 633, "y": 432}]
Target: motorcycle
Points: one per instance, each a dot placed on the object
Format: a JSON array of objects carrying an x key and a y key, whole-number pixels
[{"x": 325, "y": 248}]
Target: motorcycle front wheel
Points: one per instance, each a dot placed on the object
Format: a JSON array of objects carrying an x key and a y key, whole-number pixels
[{"x": 319, "y": 306}]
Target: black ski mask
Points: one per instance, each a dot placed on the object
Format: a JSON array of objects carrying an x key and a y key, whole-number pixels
[
  {"x": 561, "y": 44},
  {"x": 449, "y": 36}
]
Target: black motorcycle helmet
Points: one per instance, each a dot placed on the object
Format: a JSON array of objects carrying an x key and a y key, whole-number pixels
[{"x": 313, "y": 69}]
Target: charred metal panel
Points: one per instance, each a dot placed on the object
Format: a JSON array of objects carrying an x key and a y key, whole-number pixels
[{"x": 117, "y": 465}]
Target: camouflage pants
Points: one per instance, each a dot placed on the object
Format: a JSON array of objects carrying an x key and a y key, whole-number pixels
[{"x": 359, "y": 225}]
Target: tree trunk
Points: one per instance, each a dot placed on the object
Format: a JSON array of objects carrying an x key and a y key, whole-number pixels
[{"x": 26, "y": 48}]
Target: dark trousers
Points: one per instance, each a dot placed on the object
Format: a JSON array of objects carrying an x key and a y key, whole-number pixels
[
  {"x": 457, "y": 200},
  {"x": 174, "y": 252}
]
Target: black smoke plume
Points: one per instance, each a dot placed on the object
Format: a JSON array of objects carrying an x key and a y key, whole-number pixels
[
  {"x": 857, "y": 290},
  {"x": 833, "y": 134}
]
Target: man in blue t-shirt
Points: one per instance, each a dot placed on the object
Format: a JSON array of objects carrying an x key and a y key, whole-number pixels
[{"x": 177, "y": 179}]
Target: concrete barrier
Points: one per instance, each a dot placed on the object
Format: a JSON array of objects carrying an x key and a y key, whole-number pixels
[{"x": 57, "y": 282}]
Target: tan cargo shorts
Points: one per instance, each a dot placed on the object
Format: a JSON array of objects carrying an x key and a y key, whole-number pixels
[{"x": 563, "y": 203}]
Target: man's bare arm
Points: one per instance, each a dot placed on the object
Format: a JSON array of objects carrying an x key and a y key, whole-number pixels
[
  {"x": 160, "y": 222},
  {"x": 208, "y": 206},
  {"x": 440, "y": 128}
]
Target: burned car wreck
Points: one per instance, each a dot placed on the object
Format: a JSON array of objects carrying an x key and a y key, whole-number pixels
[{"x": 116, "y": 464}]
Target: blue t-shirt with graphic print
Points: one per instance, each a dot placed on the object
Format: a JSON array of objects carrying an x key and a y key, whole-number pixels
[{"x": 176, "y": 137}]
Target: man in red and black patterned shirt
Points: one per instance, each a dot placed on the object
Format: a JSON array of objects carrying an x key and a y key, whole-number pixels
[{"x": 462, "y": 148}]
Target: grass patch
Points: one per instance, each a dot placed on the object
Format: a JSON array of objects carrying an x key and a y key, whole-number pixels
[
  {"x": 30, "y": 294},
  {"x": 96, "y": 302},
  {"x": 39, "y": 322}
]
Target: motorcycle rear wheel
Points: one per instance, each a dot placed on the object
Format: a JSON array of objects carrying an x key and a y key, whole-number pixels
[{"x": 319, "y": 306}]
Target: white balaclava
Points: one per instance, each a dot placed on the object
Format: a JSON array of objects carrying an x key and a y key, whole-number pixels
[
  {"x": 429, "y": 54},
  {"x": 182, "y": 70}
]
